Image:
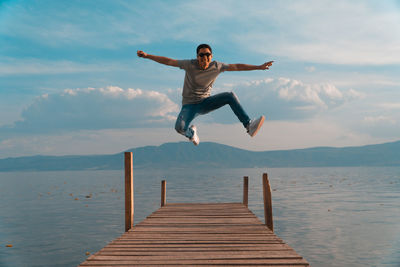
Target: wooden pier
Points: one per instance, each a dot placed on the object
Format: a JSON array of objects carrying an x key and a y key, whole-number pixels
[{"x": 198, "y": 234}]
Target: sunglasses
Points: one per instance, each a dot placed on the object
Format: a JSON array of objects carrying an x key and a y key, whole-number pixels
[{"x": 204, "y": 54}]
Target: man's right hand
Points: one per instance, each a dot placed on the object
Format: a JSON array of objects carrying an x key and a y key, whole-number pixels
[{"x": 140, "y": 53}]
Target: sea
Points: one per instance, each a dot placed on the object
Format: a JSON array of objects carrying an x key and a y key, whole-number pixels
[{"x": 333, "y": 216}]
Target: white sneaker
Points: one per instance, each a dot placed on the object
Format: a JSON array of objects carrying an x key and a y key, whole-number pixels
[
  {"x": 195, "y": 138},
  {"x": 255, "y": 125}
]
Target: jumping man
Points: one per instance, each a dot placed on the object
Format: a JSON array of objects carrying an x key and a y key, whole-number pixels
[{"x": 196, "y": 99}]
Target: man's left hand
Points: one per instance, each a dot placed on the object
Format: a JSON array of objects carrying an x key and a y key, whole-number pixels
[{"x": 266, "y": 65}]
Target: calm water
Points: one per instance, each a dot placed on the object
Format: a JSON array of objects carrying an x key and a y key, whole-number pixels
[{"x": 331, "y": 216}]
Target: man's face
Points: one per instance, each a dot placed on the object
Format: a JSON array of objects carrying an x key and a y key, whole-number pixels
[{"x": 204, "y": 58}]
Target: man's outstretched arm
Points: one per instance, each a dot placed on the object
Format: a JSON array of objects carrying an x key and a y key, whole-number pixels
[
  {"x": 162, "y": 60},
  {"x": 240, "y": 67}
]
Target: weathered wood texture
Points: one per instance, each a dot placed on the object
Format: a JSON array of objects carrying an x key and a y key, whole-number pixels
[
  {"x": 267, "y": 203},
  {"x": 246, "y": 191},
  {"x": 163, "y": 193},
  {"x": 129, "y": 204},
  {"x": 207, "y": 234}
]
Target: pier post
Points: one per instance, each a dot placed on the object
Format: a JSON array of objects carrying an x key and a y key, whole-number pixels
[
  {"x": 267, "y": 203},
  {"x": 163, "y": 193},
  {"x": 246, "y": 191},
  {"x": 129, "y": 204}
]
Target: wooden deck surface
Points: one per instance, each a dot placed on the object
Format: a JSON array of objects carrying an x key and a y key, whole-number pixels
[{"x": 208, "y": 234}]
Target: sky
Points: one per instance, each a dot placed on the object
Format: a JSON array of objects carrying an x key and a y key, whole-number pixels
[{"x": 71, "y": 83}]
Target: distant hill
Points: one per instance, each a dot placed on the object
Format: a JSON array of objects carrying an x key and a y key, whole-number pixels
[{"x": 213, "y": 155}]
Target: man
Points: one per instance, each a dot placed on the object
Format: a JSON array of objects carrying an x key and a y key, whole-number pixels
[{"x": 196, "y": 100}]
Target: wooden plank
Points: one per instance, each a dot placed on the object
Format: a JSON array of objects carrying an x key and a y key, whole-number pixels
[
  {"x": 198, "y": 220},
  {"x": 203, "y": 205},
  {"x": 198, "y": 248},
  {"x": 232, "y": 228},
  {"x": 203, "y": 265},
  {"x": 184, "y": 242},
  {"x": 198, "y": 234},
  {"x": 207, "y": 235},
  {"x": 199, "y": 262},
  {"x": 198, "y": 237},
  {"x": 197, "y": 256}
]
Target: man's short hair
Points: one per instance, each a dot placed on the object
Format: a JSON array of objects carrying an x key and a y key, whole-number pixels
[{"x": 203, "y": 46}]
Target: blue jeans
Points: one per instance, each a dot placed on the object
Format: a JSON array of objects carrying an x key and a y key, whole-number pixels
[{"x": 191, "y": 111}]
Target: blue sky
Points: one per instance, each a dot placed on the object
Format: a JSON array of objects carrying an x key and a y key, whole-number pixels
[{"x": 71, "y": 83}]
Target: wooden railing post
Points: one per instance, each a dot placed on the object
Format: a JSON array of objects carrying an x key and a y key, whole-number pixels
[
  {"x": 267, "y": 203},
  {"x": 163, "y": 193},
  {"x": 246, "y": 191},
  {"x": 129, "y": 204}
]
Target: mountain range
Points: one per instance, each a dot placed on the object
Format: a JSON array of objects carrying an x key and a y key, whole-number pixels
[{"x": 213, "y": 155}]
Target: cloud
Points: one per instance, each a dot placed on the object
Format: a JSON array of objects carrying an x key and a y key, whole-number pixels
[
  {"x": 310, "y": 69},
  {"x": 113, "y": 107},
  {"x": 299, "y": 114},
  {"x": 338, "y": 32},
  {"x": 381, "y": 126},
  {"x": 15, "y": 66},
  {"x": 379, "y": 120},
  {"x": 389, "y": 106},
  {"x": 275, "y": 135},
  {"x": 86, "y": 142},
  {"x": 94, "y": 109},
  {"x": 287, "y": 99},
  {"x": 59, "y": 24}
]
